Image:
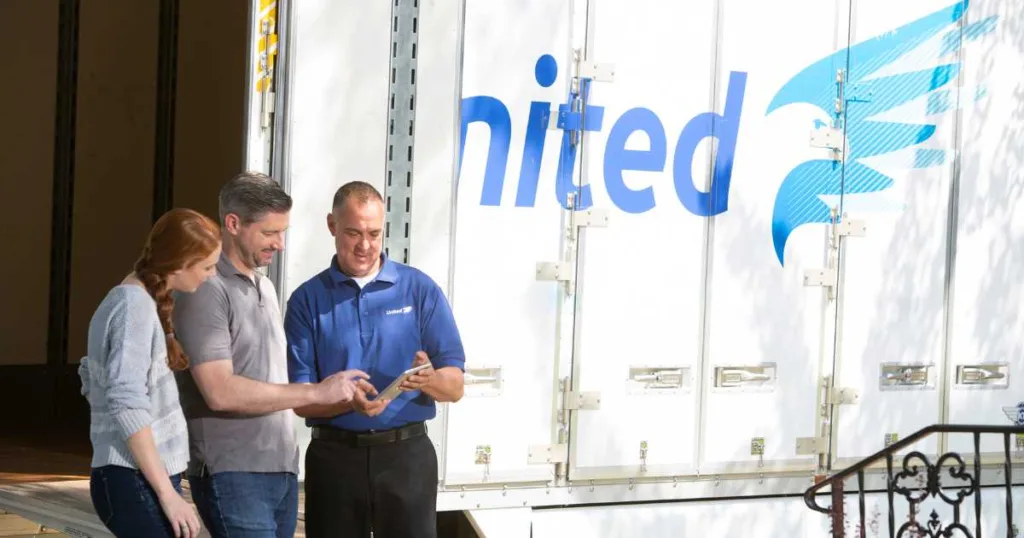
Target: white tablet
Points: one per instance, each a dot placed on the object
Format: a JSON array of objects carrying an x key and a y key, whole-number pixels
[{"x": 395, "y": 388}]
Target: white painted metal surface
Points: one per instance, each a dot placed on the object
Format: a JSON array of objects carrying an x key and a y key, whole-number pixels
[
  {"x": 508, "y": 319},
  {"x": 759, "y": 311},
  {"x": 712, "y": 519},
  {"x": 435, "y": 154},
  {"x": 501, "y": 523},
  {"x": 893, "y": 287},
  {"x": 988, "y": 294},
  {"x": 337, "y": 125},
  {"x": 679, "y": 287},
  {"x": 638, "y": 319},
  {"x": 762, "y": 517}
]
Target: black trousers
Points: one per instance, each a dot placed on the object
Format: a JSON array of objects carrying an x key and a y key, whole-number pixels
[{"x": 390, "y": 489}]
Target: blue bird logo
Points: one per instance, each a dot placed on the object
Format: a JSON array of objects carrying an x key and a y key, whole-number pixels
[{"x": 869, "y": 91}]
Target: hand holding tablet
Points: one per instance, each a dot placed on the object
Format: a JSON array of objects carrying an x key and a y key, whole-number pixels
[{"x": 414, "y": 378}]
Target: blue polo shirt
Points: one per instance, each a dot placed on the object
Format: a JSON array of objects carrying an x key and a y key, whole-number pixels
[{"x": 333, "y": 325}]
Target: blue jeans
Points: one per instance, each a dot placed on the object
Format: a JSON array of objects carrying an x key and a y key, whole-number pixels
[
  {"x": 126, "y": 503},
  {"x": 247, "y": 505}
]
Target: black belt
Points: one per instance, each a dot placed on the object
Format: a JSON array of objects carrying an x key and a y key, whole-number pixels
[
  {"x": 198, "y": 469},
  {"x": 370, "y": 438}
]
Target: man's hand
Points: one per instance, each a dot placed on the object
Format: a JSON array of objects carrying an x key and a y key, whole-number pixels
[
  {"x": 362, "y": 405},
  {"x": 340, "y": 387},
  {"x": 422, "y": 378}
]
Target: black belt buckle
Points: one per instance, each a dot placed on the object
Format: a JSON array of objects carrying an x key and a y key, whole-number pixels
[{"x": 373, "y": 438}]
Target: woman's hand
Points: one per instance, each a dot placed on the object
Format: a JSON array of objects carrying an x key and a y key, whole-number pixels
[{"x": 183, "y": 516}]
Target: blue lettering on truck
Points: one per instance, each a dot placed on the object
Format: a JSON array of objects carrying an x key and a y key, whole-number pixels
[
  {"x": 798, "y": 202},
  {"x": 617, "y": 158}
]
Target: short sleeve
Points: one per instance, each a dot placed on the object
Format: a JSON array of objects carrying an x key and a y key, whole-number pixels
[
  {"x": 439, "y": 332},
  {"x": 132, "y": 323},
  {"x": 202, "y": 323},
  {"x": 298, "y": 330}
]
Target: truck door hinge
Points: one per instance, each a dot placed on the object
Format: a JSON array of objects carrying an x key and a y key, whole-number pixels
[
  {"x": 594, "y": 218},
  {"x": 564, "y": 270},
  {"x": 580, "y": 401},
  {"x": 809, "y": 446},
  {"x": 597, "y": 72},
  {"x": 827, "y": 277},
  {"x": 852, "y": 228},
  {"x": 846, "y": 396},
  {"x": 820, "y": 277},
  {"x": 555, "y": 271},
  {"x": 829, "y": 138},
  {"x": 577, "y": 115},
  {"x": 545, "y": 454}
]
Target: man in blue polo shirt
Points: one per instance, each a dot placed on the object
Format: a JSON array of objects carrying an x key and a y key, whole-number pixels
[{"x": 370, "y": 465}]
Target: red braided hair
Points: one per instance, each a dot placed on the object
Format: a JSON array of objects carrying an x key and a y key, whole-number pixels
[{"x": 179, "y": 239}]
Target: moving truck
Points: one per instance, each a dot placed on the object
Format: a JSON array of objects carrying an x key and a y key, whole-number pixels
[{"x": 702, "y": 254}]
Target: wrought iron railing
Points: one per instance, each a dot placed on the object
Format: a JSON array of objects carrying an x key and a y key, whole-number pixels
[{"x": 926, "y": 483}]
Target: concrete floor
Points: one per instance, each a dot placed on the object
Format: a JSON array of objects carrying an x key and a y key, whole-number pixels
[
  {"x": 62, "y": 461},
  {"x": 13, "y": 526},
  {"x": 38, "y": 457}
]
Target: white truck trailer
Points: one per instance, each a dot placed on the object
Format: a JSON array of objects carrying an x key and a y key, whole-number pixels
[
  {"x": 702, "y": 254},
  {"x": 697, "y": 250}
]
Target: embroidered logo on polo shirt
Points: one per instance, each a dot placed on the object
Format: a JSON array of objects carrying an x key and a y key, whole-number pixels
[{"x": 403, "y": 310}]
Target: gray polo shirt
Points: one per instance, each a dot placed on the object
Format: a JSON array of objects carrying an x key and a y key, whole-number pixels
[{"x": 231, "y": 317}]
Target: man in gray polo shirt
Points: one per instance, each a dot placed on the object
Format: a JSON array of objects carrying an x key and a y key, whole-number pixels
[{"x": 236, "y": 397}]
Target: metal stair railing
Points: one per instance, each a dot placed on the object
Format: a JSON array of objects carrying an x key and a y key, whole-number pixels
[{"x": 928, "y": 484}]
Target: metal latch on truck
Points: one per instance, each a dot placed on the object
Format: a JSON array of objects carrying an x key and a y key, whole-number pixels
[
  {"x": 564, "y": 271},
  {"x": 831, "y": 137},
  {"x": 572, "y": 118},
  {"x": 827, "y": 277},
  {"x": 810, "y": 446}
]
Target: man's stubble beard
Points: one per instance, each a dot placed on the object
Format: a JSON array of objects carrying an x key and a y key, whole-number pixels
[{"x": 249, "y": 256}]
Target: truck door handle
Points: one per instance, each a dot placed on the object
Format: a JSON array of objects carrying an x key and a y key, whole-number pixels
[
  {"x": 661, "y": 378},
  {"x": 897, "y": 375},
  {"x": 992, "y": 375},
  {"x": 738, "y": 377},
  {"x": 483, "y": 381}
]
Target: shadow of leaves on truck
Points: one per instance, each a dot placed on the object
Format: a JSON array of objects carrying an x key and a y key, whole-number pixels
[
  {"x": 777, "y": 318},
  {"x": 991, "y": 239},
  {"x": 986, "y": 289}
]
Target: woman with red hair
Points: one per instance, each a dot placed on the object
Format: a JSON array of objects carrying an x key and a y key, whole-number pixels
[{"x": 137, "y": 429}]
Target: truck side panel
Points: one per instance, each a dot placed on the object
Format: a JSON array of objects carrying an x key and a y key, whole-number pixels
[
  {"x": 898, "y": 174},
  {"x": 640, "y": 278},
  {"x": 986, "y": 359},
  {"x": 509, "y": 320},
  {"x": 768, "y": 334},
  {"x": 337, "y": 125}
]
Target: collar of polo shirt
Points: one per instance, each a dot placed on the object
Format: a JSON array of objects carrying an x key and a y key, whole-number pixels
[
  {"x": 226, "y": 268},
  {"x": 387, "y": 273}
]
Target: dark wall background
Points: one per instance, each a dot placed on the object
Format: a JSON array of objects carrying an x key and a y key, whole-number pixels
[
  {"x": 116, "y": 124},
  {"x": 28, "y": 32},
  {"x": 113, "y": 180},
  {"x": 209, "y": 141}
]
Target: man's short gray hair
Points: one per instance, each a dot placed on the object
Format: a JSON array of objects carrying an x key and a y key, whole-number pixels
[
  {"x": 360, "y": 190},
  {"x": 251, "y": 195}
]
